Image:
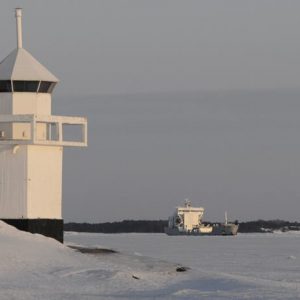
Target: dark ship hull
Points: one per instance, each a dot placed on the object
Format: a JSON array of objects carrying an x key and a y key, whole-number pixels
[{"x": 214, "y": 230}]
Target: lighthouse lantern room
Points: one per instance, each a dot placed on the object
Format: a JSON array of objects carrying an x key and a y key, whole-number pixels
[{"x": 31, "y": 144}]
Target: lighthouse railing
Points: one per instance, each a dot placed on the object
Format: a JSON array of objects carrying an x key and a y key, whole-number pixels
[{"x": 42, "y": 130}]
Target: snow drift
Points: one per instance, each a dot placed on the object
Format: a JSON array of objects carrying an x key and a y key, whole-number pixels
[{"x": 36, "y": 267}]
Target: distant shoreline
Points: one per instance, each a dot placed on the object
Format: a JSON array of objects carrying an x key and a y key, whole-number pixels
[{"x": 157, "y": 226}]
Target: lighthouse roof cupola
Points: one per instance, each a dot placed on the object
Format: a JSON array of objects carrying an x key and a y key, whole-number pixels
[{"x": 21, "y": 72}]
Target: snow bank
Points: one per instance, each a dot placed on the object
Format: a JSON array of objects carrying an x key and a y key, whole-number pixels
[{"x": 36, "y": 267}]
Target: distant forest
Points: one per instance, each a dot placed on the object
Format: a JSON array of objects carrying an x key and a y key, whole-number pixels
[{"x": 147, "y": 226}]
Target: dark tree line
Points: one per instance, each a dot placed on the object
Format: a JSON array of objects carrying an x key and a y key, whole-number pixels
[
  {"x": 268, "y": 226},
  {"x": 147, "y": 226},
  {"x": 118, "y": 227}
]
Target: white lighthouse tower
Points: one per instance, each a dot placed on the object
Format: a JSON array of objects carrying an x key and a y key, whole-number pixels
[{"x": 31, "y": 144}]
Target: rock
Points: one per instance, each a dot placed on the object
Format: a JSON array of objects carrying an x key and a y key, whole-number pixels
[
  {"x": 93, "y": 250},
  {"x": 181, "y": 269}
]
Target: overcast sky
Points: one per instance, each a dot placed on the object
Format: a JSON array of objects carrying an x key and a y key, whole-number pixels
[{"x": 185, "y": 99}]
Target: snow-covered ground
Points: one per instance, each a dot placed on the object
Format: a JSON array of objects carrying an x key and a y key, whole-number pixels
[
  {"x": 262, "y": 266},
  {"x": 248, "y": 266}
]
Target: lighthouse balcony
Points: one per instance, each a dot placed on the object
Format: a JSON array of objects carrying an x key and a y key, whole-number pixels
[{"x": 43, "y": 130}]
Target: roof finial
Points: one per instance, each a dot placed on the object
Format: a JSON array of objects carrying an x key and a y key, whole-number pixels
[{"x": 19, "y": 27}]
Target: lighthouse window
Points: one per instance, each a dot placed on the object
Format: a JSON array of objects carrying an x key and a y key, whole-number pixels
[
  {"x": 5, "y": 86},
  {"x": 46, "y": 87},
  {"x": 25, "y": 86}
]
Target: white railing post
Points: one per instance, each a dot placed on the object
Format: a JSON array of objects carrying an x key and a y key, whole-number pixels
[
  {"x": 60, "y": 132},
  {"x": 84, "y": 133},
  {"x": 33, "y": 129}
]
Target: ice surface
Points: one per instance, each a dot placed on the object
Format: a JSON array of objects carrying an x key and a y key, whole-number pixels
[
  {"x": 262, "y": 266},
  {"x": 248, "y": 266}
]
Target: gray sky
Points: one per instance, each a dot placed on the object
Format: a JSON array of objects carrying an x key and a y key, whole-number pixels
[{"x": 185, "y": 99}]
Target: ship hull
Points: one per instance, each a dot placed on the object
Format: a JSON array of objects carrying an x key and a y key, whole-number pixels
[{"x": 222, "y": 229}]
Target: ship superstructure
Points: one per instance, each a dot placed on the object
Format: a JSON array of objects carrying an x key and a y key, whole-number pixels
[{"x": 187, "y": 220}]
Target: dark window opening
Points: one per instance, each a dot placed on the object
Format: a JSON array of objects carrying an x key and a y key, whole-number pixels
[
  {"x": 5, "y": 86},
  {"x": 52, "y": 86},
  {"x": 46, "y": 87},
  {"x": 25, "y": 86}
]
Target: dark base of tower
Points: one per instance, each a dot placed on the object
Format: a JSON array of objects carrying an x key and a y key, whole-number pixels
[{"x": 52, "y": 228}]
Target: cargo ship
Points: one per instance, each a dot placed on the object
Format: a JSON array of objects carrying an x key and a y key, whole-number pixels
[{"x": 187, "y": 220}]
